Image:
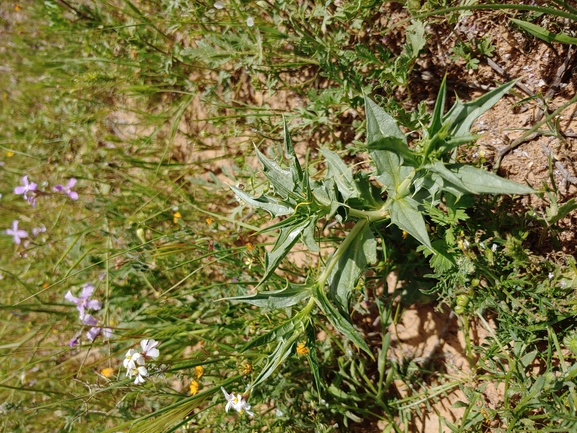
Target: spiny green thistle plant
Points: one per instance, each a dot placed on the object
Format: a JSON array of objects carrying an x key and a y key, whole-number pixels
[{"x": 409, "y": 184}]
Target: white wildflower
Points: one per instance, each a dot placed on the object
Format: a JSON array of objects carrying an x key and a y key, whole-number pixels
[
  {"x": 132, "y": 359},
  {"x": 140, "y": 373},
  {"x": 249, "y": 22},
  {"x": 219, "y": 5},
  {"x": 236, "y": 402}
]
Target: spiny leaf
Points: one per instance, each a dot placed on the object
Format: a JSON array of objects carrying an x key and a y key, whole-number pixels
[
  {"x": 341, "y": 323},
  {"x": 287, "y": 238},
  {"x": 271, "y": 205},
  {"x": 462, "y": 115},
  {"x": 480, "y": 181},
  {"x": 380, "y": 124}
]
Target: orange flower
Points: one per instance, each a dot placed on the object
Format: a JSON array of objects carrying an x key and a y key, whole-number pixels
[
  {"x": 246, "y": 368},
  {"x": 209, "y": 221},
  {"x": 107, "y": 372},
  {"x": 194, "y": 387},
  {"x": 302, "y": 349},
  {"x": 249, "y": 246}
]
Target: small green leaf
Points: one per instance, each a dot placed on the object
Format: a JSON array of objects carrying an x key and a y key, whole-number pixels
[
  {"x": 269, "y": 204},
  {"x": 545, "y": 34},
  {"x": 308, "y": 235},
  {"x": 480, "y": 181},
  {"x": 288, "y": 297},
  {"x": 287, "y": 238},
  {"x": 397, "y": 146},
  {"x": 389, "y": 170},
  {"x": 341, "y": 174},
  {"x": 280, "y": 179},
  {"x": 462, "y": 115},
  {"x": 416, "y": 40},
  {"x": 437, "y": 118},
  {"x": 405, "y": 215},
  {"x": 380, "y": 124},
  {"x": 560, "y": 211}
]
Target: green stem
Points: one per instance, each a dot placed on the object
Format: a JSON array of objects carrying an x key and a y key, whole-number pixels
[{"x": 370, "y": 215}]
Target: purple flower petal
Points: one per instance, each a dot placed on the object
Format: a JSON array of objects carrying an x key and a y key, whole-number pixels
[
  {"x": 73, "y": 195},
  {"x": 70, "y": 297},
  {"x": 89, "y": 320},
  {"x": 94, "y": 305},
  {"x": 71, "y": 182},
  {"x": 93, "y": 333},
  {"x": 58, "y": 188},
  {"x": 87, "y": 291}
]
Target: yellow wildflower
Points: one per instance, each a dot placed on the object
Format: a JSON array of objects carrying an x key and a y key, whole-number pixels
[
  {"x": 405, "y": 234},
  {"x": 302, "y": 349},
  {"x": 107, "y": 372},
  {"x": 176, "y": 217},
  {"x": 249, "y": 246},
  {"x": 198, "y": 371},
  {"x": 246, "y": 368},
  {"x": 194, "y": 387},
  {"x": 9, "y": 154},
  {"x": 209, "y": 221}
]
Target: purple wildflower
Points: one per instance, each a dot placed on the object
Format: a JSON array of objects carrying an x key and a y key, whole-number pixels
[
  {"x": 25, "y": 189},
  {"x": 84, "y": 303},
  {"x": 37, "y": 231},
  {"x": 96, "y": 331},
  {"x": 68, "y": 189},
  {"x": 17, "y": 234},
  {"x": 75, "y": 339}
]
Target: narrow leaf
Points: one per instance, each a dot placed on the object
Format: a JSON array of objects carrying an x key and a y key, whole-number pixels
[
  {"x": 271, "y": 205},
  {"x": 278, "y": 299},
  {"x": 437, "y": 118},
  {"x": 480, "y": 181},
  {"x": 341, "y": 323},
  {"x": 544, "y": 34},
  {"x": 462, "y": 115},
  {"x": 287, "y": 238}
]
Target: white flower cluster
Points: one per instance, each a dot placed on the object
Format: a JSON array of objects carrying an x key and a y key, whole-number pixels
[{"x": 135, "y": 361}]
